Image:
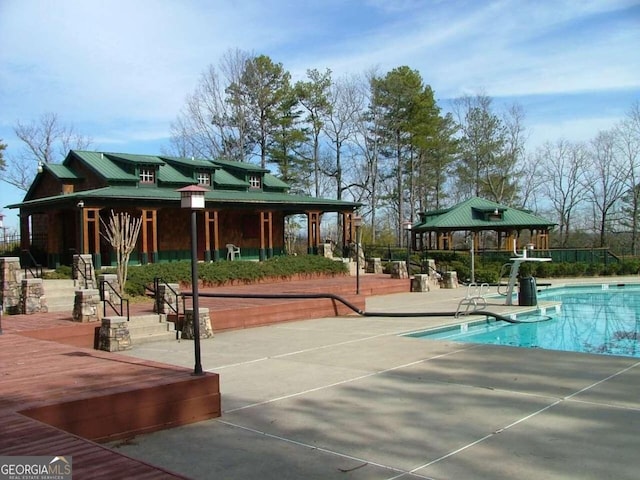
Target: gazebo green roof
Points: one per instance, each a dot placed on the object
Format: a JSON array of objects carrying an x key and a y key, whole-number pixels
[{"x": 479, "y": 214}]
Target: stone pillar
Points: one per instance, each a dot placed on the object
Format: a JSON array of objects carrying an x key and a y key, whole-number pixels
[
  {"x": 32, "y": 299},
  {"x": 420, "y": 283},
  {"x": 205, "y": 324},
  {"x": 326, "y": 250},
  {"x": 168, "y": 293},
  {"x": 87, "y": 306},
  {"x": 11, "y": 276},
  {"x": 434, "y": 276},
  {"x": 399, "y": 270},
  {"x": 114, "y": 334},
  {"x": 83, "y": 267},
  {"x": 111, "y": 286},
  {"x": 450, "y": 280},
  {"x": 374, "y": 265}
]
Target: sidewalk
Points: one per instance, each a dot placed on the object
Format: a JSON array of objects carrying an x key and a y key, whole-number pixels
[{"x": 348, "y": 397}]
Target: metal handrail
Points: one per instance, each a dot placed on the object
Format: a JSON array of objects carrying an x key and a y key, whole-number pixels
[
  {"x": 157, "y": 281},
  {"x": 27, "y": 268},
  {"x": 79, "y": 273},
  {"x": 106, "y": 301}
]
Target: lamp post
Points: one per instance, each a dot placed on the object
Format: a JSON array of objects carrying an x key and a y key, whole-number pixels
[
  {"x": 407, "y": 227},
  {"x": 357, "y": 222},
  {"x": 192, "y": 197}
]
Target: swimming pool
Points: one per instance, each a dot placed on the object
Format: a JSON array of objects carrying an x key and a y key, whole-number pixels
[{"x": 602, "y": 319}]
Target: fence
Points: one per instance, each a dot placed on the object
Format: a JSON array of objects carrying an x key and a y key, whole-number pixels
[
  {"x": 560, "y": 255},
  {"x": 10, "y": 243}
]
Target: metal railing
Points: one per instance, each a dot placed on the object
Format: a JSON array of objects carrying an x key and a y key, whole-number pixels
[
  {"x": 106, "y": 300},
  {"x": 162, "y": 300},
  {"x": 84, "y": 273},
  {"x": 30, "y": 265}
]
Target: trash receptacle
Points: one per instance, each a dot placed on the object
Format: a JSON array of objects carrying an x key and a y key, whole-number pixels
[{"x": 527, "y": 295}]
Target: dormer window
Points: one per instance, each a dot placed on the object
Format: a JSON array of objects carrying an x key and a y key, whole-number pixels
[
  {"x": 147, "y": 175},
  {"x": 204, "y": 179},
  {"x": 254, "y": 182}
]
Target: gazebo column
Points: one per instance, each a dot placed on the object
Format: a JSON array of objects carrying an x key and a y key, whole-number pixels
[
  {"x": 313, "y": 231},
  {"x": 541, "y": 240},
  {"x": 266, "y": 234},
  {"x": 149, "y": 229},
  {"x": 211, "y": 232},
  {"x": 348, "y": 232}
]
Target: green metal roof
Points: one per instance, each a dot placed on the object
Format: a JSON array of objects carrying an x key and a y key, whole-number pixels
[
  {"x": 102, "y": 165},
  {"x": 478, "y": 214},
  {"x": 168, "y": 174},
  {"x": 61, "y": 172},
  {"x": 151, "y": 194},
  {"x": 249, "y": 167},
  {"x": 172, "y": 173},
  {"x": 223, "y": 178},
  {"x": 135, "y": 159},
  {"x": 271, "y": 181},
  {"x": 191, "y": 162}
]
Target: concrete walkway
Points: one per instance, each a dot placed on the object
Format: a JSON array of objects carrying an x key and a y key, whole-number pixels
[{"x": 349, "y": 398}]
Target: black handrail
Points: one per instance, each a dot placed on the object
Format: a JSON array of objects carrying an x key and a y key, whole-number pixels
[
  {"x": 27, "y": 255},
  {"x": 106, "y": 300},
  {"x": 348, "y": 304},
  {"x": 84, "y": 274},
  {"x": 157, "y": 281}
]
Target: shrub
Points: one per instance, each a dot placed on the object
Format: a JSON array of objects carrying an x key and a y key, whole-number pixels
[{"x": 219, "y": 273}]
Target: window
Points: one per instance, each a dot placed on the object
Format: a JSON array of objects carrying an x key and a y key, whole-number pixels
[
  {"x": 204, "y": 178},
  {"x": 254, "y": 181},
  {"x": 147, "y": 175}
]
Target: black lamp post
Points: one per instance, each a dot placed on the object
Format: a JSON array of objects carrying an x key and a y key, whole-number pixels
[
  {"x": 192, "y": 197},
  {"x": 407, "y": 227},
  {"x": 357, "y": 222}
]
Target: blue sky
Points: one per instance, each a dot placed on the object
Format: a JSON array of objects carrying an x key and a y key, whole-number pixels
[{"x": 120, "y": 70}]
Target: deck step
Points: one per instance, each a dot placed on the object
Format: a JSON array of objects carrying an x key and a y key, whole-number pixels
[
  {"x": 150, "y": 328},
  {"x": 60, "y": 295}
]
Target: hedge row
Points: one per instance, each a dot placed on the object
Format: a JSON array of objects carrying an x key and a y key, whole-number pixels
[
  {"x": 220, "y": 273},
  {"x": 490, "y": 272}
]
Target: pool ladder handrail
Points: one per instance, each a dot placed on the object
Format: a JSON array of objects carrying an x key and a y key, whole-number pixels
[{"x": 474, "y": 299}]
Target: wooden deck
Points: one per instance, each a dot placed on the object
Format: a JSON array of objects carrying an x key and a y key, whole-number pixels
[{"x": 59, "y": 396}]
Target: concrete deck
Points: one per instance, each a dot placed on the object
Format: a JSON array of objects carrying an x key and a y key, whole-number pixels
[{"x": 349, "y": 398}]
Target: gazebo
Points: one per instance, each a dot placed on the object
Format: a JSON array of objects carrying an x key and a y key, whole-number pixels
[{"x": 436, "y": 228}]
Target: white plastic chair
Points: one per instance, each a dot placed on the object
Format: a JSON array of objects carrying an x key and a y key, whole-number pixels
[{"x": 232, "y": 251}]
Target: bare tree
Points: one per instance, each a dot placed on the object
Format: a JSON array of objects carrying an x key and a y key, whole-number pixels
[
  {"x": 605, "y": 181},
  {"x": 45, "y": 140},
  {"x": 627, "y": 136},
  {"x": 562, "y": 168},
  {"x": 122, "y": 234},
  {"x": 212, "y": 123}
]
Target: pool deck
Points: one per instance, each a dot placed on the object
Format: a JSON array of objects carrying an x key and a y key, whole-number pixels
[{"x": 347, "y": 397}]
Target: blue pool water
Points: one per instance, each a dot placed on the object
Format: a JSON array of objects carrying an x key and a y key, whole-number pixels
[{"x": 602, "y": 319}]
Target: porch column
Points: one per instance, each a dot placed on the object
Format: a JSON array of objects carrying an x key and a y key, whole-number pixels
[
  {"x": 266, "y": 235},
  {"x": 91, "y": 234},
  {"x": 211, "y": 230},
  {"x": 25, "y": 234},
  {"x": 149, "y": 227},
  {"x": 54, "y": 246},
  {"x": 313, "y": 231}
]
